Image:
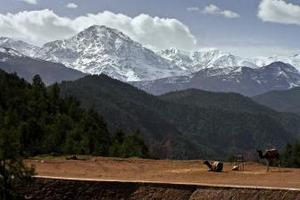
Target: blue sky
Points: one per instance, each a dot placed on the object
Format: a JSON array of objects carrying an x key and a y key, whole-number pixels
[{"x": 274, "y": 31}]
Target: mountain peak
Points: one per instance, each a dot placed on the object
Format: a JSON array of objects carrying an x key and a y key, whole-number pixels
[
  {"x": 100, "y": 49},
  {"x": 101, "y": 31},
  {"x": 282, "y": 66},
  {"x": 100, "y": 28}
]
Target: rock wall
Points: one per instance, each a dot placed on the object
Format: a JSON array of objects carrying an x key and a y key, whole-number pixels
[{"x": 53, "y": 189}]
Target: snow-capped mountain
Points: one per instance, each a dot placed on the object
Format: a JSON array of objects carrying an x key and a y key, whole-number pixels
[
  {"x": 243, "y": 80},
  {"x": 203, "y": 59},
  {"x": 20, "y": 46},
  {"x": 99, "y": 49}
]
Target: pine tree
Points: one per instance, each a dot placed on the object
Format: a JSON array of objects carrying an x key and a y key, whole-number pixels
[{"x": 12, "y": 170}]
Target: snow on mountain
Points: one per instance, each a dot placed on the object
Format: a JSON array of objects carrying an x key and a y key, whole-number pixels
[
  {"x": 99, "y": 49},
  {"x": 10, "y": 52},
  {"x": 18, "y": 45},
  {"x": 202, "y": 59},
  {"x": 293, "y": 60},
  {"x": 243, "y": 80}
]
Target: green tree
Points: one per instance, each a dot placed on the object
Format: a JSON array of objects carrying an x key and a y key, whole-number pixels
[
  {"x": 12, "y": 170},
  {"x": 291, "y": 155},
  {"x": 116, "y": 148},
  {"x": 131, "y": 145},
  {"x": 134, "y": 146}
]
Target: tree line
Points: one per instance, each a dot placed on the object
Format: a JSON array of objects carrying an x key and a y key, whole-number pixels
[
  {"x": 35, "y": 120},
  {"x": 42, "y": 122},
  {"x": 290, "y": 156}
]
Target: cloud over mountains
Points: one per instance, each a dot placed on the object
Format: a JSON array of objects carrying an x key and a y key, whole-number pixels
[{"x": 43, "y": 26}]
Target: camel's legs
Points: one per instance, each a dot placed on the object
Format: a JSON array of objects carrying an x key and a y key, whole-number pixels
[{"x": 268, "y": 165}]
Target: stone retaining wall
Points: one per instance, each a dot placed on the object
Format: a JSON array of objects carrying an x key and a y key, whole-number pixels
[{"x": 54, "y": 189}]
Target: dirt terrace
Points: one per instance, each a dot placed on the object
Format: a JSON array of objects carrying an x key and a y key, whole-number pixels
[{"x": 167, "y": 171}]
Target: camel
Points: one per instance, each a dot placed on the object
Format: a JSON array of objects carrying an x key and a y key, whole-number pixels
[
  {"x": 270, "y": 155},
  {"x": 214, "y": 166}
]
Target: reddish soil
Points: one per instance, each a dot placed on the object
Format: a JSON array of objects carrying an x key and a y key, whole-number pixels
[{"x": 168, "y": 171}]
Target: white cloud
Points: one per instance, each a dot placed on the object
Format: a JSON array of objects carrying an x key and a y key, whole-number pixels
[
  {"x": 43, "y": 26},
  {"x": 30, "y": 1},
  {"x": 279, "y": 11},
  {"x": 72, "y": 5},
  {"x": 215, "y": 10}
]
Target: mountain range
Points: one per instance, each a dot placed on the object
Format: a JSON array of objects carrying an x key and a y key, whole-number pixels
[
  {"x": 100, "y": 49},
  {"x": 243, "y": 80},
  {"x": 186, "y": 124},
  {"x": 214, "y": 58}
]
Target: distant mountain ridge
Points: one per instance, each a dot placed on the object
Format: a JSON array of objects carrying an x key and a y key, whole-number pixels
[
  {"x": 26, "y": 67},
  {"x": 293, "y": 60},
  {"x": 20, "y": 46},
  {"x": 203, "y": 59},
  {"x": 283, "y": 101},
  {"x": 243, "y": 80}
]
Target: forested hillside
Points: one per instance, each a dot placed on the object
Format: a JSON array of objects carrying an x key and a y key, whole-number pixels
[
  {"x": 205, "y": 128},
  {"x": 226, "y": 101},
  {"x": 233, "y": 102},
  {"x": 39, "y": 121},
  {"x": 284, "y": 101}
]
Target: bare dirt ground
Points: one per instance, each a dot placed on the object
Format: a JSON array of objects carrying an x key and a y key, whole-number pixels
[{"x": 168, "y": 171}]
